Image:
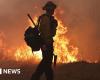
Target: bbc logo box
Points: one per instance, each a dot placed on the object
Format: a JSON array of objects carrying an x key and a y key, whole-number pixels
[{"x": 0, "y": 71}]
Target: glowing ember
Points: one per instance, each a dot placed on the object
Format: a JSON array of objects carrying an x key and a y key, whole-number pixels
[{"x": 66, "y": 53}]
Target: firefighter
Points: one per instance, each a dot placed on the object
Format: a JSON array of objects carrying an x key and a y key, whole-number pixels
[{"x": 47, "y": 29}]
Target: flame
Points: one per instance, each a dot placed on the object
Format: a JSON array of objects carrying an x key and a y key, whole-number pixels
[
  {"x": 24, "y": 53},
  {"x": 62, "y": 45},
  {"x": 65, "y": 52}
]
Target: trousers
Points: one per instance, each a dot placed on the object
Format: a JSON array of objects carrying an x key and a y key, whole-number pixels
[{"x": 45, "y": 66}]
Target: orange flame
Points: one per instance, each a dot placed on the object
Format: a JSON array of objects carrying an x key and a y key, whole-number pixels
[
  {"x": 66, "y": 53},
  {"x": 61, "y": 45},
  {"x": 24, "y": 53}
]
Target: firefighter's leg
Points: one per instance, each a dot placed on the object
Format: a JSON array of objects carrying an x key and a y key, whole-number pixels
[
  {"x": 49, "y": 73},
  {"x": 39, "y": 71}
]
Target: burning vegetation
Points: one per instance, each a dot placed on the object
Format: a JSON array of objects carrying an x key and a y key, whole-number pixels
[{"x": 65, "y": 52}]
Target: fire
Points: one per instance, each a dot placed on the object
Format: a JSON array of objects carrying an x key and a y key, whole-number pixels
[
  {"x": 65, "y": 52},
  {"x": 24, "y": 53},
  {"x": 62, "y": 45}
]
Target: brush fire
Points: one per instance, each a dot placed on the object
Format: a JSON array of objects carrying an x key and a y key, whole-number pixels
[{"x": 65, "y": 52}]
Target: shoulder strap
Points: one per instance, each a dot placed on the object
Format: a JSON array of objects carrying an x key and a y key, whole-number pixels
[{"x": 38, "y": 22}]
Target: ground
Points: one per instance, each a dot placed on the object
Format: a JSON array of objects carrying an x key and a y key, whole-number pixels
[{"x": 71, "y": 71}]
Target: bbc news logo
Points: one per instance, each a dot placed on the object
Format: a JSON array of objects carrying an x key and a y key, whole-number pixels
[
  {"x": 0, "y": 71},
  {"x": 9, "y": 71}
]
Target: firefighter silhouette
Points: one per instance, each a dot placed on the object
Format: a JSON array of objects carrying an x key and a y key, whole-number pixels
[{"x": 47, "y": 29}]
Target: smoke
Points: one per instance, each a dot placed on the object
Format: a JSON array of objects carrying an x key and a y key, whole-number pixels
[
  {"x": 2, "y": 46},
  {"x": 82, "y": 17},
  {"x": 84, "y": 28}
]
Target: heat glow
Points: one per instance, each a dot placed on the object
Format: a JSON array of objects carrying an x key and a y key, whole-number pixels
[{"x": 65, "y": 52}]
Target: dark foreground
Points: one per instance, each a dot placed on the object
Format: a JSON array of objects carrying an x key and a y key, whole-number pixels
[{"x": 71, "y": 71}]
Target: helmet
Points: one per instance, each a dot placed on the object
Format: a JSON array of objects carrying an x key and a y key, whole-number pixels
[{"x": 49, "y": 6}]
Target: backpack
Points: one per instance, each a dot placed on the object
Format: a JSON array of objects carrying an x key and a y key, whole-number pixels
[{"x": 32, "y": 37}]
